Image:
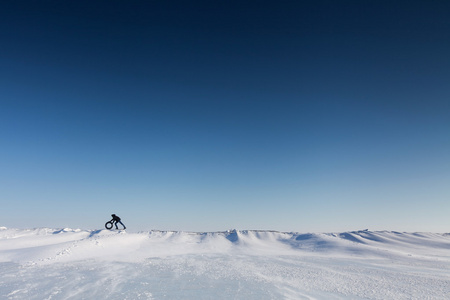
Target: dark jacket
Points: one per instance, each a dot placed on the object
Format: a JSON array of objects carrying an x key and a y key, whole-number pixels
[{"x": 115, "y": 218}]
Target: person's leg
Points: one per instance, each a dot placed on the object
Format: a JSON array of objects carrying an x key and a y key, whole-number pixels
[
  {"x": 122, "y": 225},
  {"x": 115, "y": 223}
]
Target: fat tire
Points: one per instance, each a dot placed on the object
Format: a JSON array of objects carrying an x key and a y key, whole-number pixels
[{"x": 109, "y": 225}]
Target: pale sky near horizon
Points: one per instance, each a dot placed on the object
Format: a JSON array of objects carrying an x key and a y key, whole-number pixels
[{"x": 207, "y": 115}]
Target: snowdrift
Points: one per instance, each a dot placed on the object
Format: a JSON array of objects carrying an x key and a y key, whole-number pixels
[{"x": 46, "y": 245}]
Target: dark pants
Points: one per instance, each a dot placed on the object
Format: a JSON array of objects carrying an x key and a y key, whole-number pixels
[{"x": 115, "y": 223}]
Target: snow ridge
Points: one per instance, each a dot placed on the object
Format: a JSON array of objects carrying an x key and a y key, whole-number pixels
[{"x": 45, "y": 245}]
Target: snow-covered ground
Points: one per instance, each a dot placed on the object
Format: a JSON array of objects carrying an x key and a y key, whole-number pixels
[{"x": 84, "y": 264}]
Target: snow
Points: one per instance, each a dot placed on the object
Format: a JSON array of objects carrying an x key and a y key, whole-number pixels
[{"x": 46, "y": 263}]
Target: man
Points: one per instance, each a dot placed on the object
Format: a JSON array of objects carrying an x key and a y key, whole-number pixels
[{"x": 116, "y": 220}]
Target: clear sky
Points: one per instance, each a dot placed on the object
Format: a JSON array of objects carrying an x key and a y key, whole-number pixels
[{"x": 212, "y": 115}]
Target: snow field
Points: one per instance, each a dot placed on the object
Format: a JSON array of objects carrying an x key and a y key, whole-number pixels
[{"x": 99, "y": 264}]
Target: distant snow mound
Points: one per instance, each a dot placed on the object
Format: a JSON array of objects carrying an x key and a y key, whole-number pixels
[{"x": 44, "y": 245}]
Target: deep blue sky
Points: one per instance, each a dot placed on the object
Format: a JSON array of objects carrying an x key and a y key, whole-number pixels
[{"x": 211, "y": 115}]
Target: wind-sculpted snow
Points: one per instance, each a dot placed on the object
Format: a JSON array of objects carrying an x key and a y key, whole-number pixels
[{"x": 100, "y": 264}]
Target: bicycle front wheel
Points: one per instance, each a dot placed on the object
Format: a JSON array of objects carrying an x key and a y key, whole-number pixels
[{"x": 109, "y": 225}]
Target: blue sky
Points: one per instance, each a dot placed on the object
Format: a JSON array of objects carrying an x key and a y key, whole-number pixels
[{"x": 204, "y": 116}]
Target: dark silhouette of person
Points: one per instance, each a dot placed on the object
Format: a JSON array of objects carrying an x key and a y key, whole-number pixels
[{"x": 116, "y": 220}]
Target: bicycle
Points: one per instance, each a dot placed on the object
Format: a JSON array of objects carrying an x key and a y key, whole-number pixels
[{"x": 109, "y": 225}]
